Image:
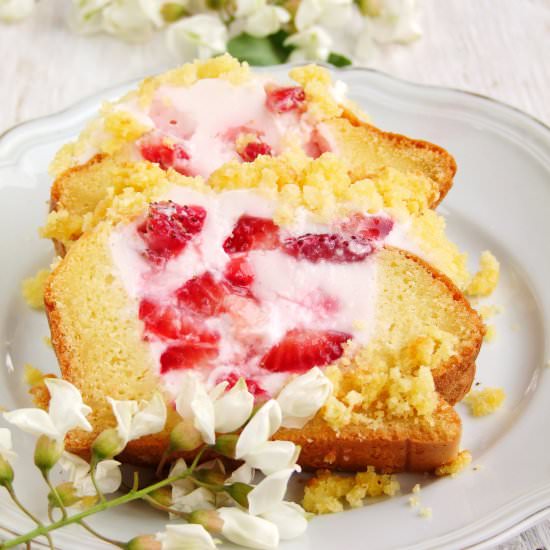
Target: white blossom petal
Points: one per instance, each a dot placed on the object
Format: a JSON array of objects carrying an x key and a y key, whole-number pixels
[
  {"x": 233, "y": 408},
  {"x": 190, "y": 536},
  {"x": 260, "y": 428},
  {"x": 193, "y": 402},
  {"x": 290, "y": 519},
  {"x": 183, "y": 486},
  {"x": 124, "y": 412},
  {"x": 15, "y": 10},
  {"x": 108, "y": 478},
  {"x": 244, "y": 8},
  {"x": 302, "y": 397},
  {"x": 6, "y": 446},
  {"x": 150, "y": 419},
  {"x": 66, "y": 409},
  {"x": 131, "y": 20},
  {"x": 243, "y": 474},
  {"x": 273, "y": 456},
  {"x": 198, "y": 499},
  {"x": 269, "y": 492},
  {"x": 34, "y": 421},
  {"x": 253, "y": 532},
  {"x": 75, "y": 467},
  {"x": 397, "y": 21},
  {"x": 313, "y": 43},
  {"x": 86, "y": 16},
  {"x": 199, "y": 36},
  {"x": 267, "y": 20}
]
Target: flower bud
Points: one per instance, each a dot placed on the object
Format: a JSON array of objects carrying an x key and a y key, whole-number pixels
[
  {"x": 47, "y": 453},
  {"x": 209, "y": 476},
  {"x": 239, "y": 493},
  {"x": 209, "y": 519},
  {"x": 108, "y": 444},
  {"x": 67, "y": 493},
  {"x": 172, "y": 11},
  {"x": 6, "y": 472},
  {"x": 163, "y": 496},
  {"x": 143, "y": 542},
  {"x": 226, "y": 444},
  {"x": 185, "y": 437}
]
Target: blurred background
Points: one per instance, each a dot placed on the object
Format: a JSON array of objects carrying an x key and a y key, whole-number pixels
[{"x": 55, "y": 52}]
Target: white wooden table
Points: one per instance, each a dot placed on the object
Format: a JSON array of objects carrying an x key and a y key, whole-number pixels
[{"x": 499, "y": 48}]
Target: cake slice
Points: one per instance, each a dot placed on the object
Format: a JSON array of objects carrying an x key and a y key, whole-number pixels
[
  {"x": 195, "y": 119},
  {"x": 230, "y": 284}
]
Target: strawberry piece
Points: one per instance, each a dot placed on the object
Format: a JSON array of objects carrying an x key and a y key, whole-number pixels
[
  {"x": 254, "y": 149},
  {"x": 303, "y": 349},
  {"x": 190, "y": 354},
  {"x": 368, "y": 227},
  {"x": 253, "y": 386},
  {"x": 168, "y": 228},
  {"x": 251, "y": 233},
  {"x": 239, "y": 272},
  {"x": 285, "y": 99},
  {"x": 331, "y": 247},
  {"x": 203, "y": 294},
  {"x": 164, "y": 321}
]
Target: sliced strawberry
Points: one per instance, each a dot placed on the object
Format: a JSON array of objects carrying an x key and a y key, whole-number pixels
[
  {"x": 190, "y": 354},
  {"x": 165, "y": 155},
  {"x": 254, "y": 149},
  {"x": 253, "y": 386},
  {"x": 303, "y": 349},
  {"x": 368, "y": 227},
  {"x": 165, "y": 321},
  {"x": 330, "y": 247},
  {"x": 284, "y": 99},
  {"x": 203, "y": 294},
  {"x": 251, "y": 233},
  {"x": 168, "y": 228},
  {"x": 239, "y": 272}
]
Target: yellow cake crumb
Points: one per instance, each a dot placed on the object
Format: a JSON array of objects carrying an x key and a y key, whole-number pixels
[
  {"x": 414, "y": 502},
  {"x": 462, "y": 460},
  {"x": 32, "y": 376},
  {"x": 486, "y": 401},
  {"x": 488, "y": 311},
  {"x": 47, "y": 342},
  {"x": 490, "y": 333},
  {"x": 328, "y": 492},
  {"x": 416, "y": 488},
  {"x": 426, "y": 512},
  {"x": 32, "y": 289},
  {"x": 485, "y": 280}
]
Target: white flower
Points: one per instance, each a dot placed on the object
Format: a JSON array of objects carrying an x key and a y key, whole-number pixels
[
  {"x": 185, "y": 537},
  {"x": 395, "y": 21},
  {"x": 313, "y": 43},
  {"x": 66, "y": 411},
  {"x": 269, "y": 492},
  {"x": 199, "y": 36},
  {"x": 15, "y": 10},
  {"x": 302, "y": 397},
  {"x": 290, "y": 519},
  {"x": 193, "y": 402},
  {"x": 6, "y": 447},
  {"x": 232, "y": 409},
  {"x": 246, "y": 530},
  {"x": 272, "y": 456},
  {"x": 86, "y": 16},
  {"x": 107, "y": 475},
  {"x": 185, "y": 496},
  {"x": 132, "y": 20},
  {"x": 243, "y": 474},
  {"x": 260, "y": 428},
  {"x": 136, "y": 420},
  {"x": 325, "y": 13},
  {"x": 261, "y": 19}
]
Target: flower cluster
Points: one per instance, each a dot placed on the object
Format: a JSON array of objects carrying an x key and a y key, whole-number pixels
[
  {"x": 246, "y": 506},
  {"x": 262, "y": 32}
]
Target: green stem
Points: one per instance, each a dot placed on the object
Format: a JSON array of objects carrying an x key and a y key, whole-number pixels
[
  {"x": 100, "y": 507},
  {"x": 55, "y": 494},
  {"x": 162, "y": 462},
  {"x": 94, "y": 482},
  {"x": 91, "y": 530},
  {"x": 27, "y": 512},
  {"x": 157, "y": 505}
]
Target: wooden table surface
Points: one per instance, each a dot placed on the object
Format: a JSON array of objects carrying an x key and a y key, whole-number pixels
[{"x": 497, "y": 48}]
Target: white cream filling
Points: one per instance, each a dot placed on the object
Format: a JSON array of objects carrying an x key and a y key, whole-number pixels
[{"x": 292, "y": 293}]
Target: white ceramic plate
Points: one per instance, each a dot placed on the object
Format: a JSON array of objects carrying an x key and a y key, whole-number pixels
[{"x": 500, "y": 201}]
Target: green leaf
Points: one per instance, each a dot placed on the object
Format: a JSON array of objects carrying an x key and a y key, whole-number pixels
[
  {"x": 259, "y": 51},
  {"x": 338, "y": 60}
]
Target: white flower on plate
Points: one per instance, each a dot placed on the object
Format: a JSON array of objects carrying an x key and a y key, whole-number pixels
[
  {"x": 313, "y": 43},
  {"x": 302, "y": 397},
  {"x": 185, "y": 496},
  {"x": 6, "y": 446},
  {"x": 86, "y": 16},
  {"x": 107, "y": 475},
  {"x": 243, "y": 474},
  {"x": 247, "y": 530},
  {"x": 260, "y": 18},
  {"x": 272, "y": 456},
  {"x": 199, "y": 36},
  {"x": 185, "y": 537},
  {"x": 66, "y": 411},
  {"x": 132, "y": 20},
  {"x": 289, "y": 517},
  {"x": 325, "y": 13},
  {"x": 233, "y": 408},
  {"x": 137, "y": 420},
  {"x": 395, "y": 21},
  {"x": 15, "y": 10}
]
